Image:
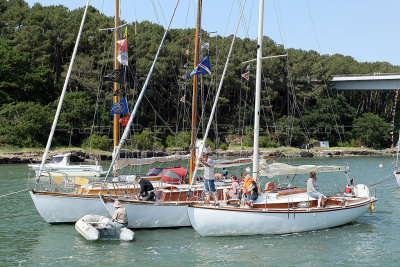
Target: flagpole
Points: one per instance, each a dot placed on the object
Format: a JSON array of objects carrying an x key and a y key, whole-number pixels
[
  {"x": 195, "y": 93},
  {"x": 140, "y": 97},
  {"x": 115, "y": 68},
  {"x": 214, "y": 108}
]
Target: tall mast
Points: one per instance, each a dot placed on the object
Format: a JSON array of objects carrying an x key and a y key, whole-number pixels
[
  {"x": 116, "y": 22},
  {"x": 258, "y": 90},
  {"x": 63, "y": 92},
  {"x": 195, "y": 93}
]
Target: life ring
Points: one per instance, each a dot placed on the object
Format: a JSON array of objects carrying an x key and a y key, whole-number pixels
[{"x": 269, "y": 186}]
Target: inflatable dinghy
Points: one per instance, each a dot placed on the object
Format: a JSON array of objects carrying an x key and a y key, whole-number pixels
[{"x": 94, "y": 227}]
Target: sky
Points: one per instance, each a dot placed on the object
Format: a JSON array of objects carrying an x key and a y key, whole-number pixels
[{"x": 367, "y": 30}]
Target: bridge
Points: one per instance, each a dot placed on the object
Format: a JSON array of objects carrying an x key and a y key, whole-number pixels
[{"x": 375, "y": 81}]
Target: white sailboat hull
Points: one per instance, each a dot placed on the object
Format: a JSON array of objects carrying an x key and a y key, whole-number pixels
[
  {"x": 397, "y": 176},
  {"x": 209, "y": 221},
  {"x": 64, "y": 208},
  {"x": 153, "y": 215}
]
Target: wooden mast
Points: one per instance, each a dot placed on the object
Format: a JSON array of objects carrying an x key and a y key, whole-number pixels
[
  {"x": 195, "y": 93},
  {"x": 116, "y": 22}
]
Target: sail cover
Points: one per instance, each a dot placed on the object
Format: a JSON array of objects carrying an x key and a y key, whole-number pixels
[
  {"x": 121, "y": 163},
  {"x": 275, "y": 169}
]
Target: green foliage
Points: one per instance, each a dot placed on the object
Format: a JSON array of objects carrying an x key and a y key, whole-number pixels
[
  {"x": 372, "y": 130},
  {"x": 248, "y": 138},
  {"x": 183, "y": 140},
  {"x": 24, "y": 124},
  {"x": 21, "y": 80},
  {"x": 264, "y": 141},
  {"x": 146, "y": 141},
  {"x": 36, "y": 45},
  {"x": 290, "y": 131},
  {"x": 100, "y": 142},
  {"x": 223, "y": 146}
]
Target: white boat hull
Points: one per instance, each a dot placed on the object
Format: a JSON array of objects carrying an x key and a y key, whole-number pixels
[
  {"x": 144, "y": 215},
  {"x": 208, "y": 221},
  {"x": 64, "y": 208},
  {"x": 397, "y": 176}
]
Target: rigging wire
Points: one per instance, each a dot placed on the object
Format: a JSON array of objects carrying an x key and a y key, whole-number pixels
[
  {"x": 162, "y": 13},
  {"x": 155, "y": 11},
  {"x": 212, "y": 76},
  {"x": 326, "y": 85},
  {"x": 313, "y": 25}
]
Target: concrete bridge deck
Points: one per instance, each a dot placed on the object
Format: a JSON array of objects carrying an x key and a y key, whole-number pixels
[{"x": 375, "y": 81}]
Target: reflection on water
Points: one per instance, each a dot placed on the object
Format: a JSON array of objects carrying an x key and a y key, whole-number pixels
[{"x": 372, "y": 240}]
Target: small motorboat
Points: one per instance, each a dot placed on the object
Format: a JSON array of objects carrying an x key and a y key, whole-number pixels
[
  {"x": 94, "y": 227},
  {"x": 61, "y": 165}
]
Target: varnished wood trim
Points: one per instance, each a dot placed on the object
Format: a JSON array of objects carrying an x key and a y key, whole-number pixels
[{"x": 269, "y": 210}]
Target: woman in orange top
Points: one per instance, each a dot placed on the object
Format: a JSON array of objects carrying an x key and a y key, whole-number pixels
[{"x": 249, "y": 189}]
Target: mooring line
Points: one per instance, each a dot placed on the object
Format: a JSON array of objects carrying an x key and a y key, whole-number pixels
[
  {"x": 9, "y": 194},
  {"x": 381, "y": 180}
]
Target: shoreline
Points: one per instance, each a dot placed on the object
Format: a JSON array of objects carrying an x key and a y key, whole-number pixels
[{"x": 80, "y": 156}]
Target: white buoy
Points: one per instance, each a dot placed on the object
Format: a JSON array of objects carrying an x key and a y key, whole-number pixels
[
  {"x": 248, "y": 169},
  {"x": 381, "y": 165}
]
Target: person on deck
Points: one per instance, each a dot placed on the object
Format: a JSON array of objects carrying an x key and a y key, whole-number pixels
[
  {"x": 313, "y": 192},
  {"x": 234, "y": 191},
  {"x": 249, "y": 189},
  {"x": 242, "y": 176},
  {"x": 225, "y": 173},
  {"x": 209, "y": 185},
  {"x": 146, "y": 189},
  {"x": 120, "y": 217}
]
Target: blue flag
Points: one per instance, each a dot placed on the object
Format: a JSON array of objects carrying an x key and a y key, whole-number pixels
[
  {"x": 120, "y": 108},
  {"x": 203, "y": 67}
]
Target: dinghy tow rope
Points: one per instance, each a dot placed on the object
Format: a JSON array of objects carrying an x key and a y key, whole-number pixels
[
  {"x": 12, "y": 193},
  {"x": 381, "y": 180}
]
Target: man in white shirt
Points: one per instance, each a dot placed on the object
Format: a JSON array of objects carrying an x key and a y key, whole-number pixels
[{"x": 209, "y": 185}]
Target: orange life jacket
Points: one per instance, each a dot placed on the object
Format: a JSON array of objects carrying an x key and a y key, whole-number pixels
[{"x": 248, "y": 184}]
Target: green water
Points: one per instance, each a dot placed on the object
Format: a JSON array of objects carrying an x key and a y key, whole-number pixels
[{"x": 373, "y": 240}]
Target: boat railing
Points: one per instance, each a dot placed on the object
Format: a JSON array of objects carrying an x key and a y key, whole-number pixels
[
  {"x": 62, "y": 183},
  {"x": 338, "y": 189}
]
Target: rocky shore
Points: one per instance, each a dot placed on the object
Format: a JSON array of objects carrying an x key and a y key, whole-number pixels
[{"x": 84, "y": 156}]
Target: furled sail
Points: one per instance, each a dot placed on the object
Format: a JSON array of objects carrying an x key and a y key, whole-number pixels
[
  {"x": 275, "y": 169},
  {"x": 121, "y": 163}
]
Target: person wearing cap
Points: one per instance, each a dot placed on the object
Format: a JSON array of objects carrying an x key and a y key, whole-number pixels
[
  {"x": 146, "y": 189},
  {"x": 120, "y": 217},
  {"x": 209, "y": 185}
]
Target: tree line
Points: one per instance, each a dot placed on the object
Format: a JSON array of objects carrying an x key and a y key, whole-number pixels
[{"x": 298, "y": 105}]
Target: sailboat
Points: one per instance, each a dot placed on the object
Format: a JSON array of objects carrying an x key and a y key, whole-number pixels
[
  {"x": 279, "y": 210},
  {"x": 60, "y": 165},
  {"x": 170, "y": 209},
  {"x": 67, "y": 199}
]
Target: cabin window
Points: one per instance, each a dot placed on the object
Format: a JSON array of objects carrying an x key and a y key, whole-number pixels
[{"x": 56, "y": 160}]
